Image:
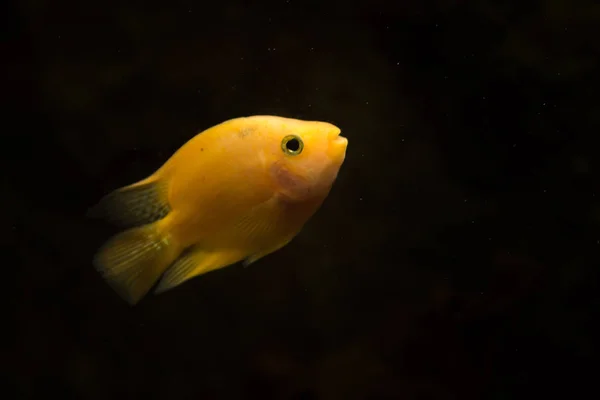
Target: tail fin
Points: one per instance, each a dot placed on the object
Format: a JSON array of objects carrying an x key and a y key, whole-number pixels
[{"x": 133, "y": 261}]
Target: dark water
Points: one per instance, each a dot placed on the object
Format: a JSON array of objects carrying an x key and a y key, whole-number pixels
[{"x": 456, "y": 257}]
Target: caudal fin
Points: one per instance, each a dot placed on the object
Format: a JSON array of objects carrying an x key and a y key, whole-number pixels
[{"x": 133, "y": 261}]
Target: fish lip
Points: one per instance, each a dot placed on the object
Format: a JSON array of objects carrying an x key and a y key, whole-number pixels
[
  {"x": 339, "y": 139},
  {"x": 337, "y": 148},
  {"x": 335, "y": 133}
]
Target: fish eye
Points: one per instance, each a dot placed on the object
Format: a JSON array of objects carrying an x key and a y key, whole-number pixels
[{"x": 292, "y": 145}]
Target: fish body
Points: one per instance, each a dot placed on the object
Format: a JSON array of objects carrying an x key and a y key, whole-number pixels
[{"x": 235, "y": 192}]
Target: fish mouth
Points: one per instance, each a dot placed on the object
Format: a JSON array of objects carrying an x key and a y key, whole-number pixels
[
  {"x": 337, "y": 137},
  {"x": 337, "y": 143},
  {"x": 339, "y": 140},
  {"x": 334, "y": 133},
  {"x": 337, "y": 146}
]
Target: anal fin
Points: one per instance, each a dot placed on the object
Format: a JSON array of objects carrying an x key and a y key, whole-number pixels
[
  {"x": 194, "y": 262},
  {"x": 257, "y": 256}
]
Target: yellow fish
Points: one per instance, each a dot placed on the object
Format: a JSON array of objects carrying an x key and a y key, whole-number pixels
[{"x": 235, "y": 192}]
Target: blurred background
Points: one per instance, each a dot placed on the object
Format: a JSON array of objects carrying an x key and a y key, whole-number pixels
[{"x": 455, "y": 258}]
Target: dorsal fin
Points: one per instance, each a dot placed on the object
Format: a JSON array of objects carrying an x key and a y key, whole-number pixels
[{"x": 135, "y": 205}]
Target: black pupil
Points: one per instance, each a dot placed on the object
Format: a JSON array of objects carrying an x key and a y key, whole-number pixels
[{"x": 293, "y": 145}]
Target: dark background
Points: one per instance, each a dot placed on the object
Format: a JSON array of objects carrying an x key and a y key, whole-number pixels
[{"x": 456, "y": 257}]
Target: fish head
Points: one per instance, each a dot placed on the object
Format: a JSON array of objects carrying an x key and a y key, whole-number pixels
[{"x": 307, "y": 156}]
